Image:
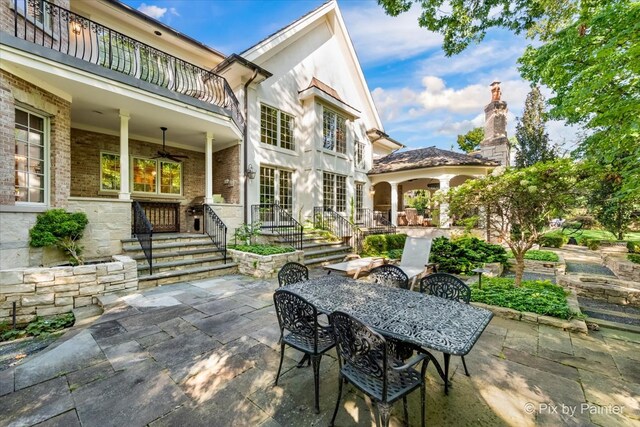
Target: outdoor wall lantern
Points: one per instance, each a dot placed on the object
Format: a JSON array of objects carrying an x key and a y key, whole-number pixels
[
  {"x": 76, "y": 28},
  {"x": 250, "y": 173}
]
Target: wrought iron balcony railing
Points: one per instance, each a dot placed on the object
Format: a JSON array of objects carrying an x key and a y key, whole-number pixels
[{"x": 52, "y": 26}]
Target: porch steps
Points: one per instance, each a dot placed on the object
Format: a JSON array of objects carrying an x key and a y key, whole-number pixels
[
  {"x": 331, "y": 259},
  {"x": 178, "y": 257}
]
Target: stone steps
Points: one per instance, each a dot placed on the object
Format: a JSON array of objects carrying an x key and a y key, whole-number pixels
[
  {"x": 181, "y": 264},
  {"x": 331, "y": 259},
  {"x": 175, "y": 255},
  {"x": 187, "y": 274}
]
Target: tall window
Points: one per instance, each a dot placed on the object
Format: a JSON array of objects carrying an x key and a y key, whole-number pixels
[
  {"x": 276, "y": 186},
  {"x": 334, "y": 131},
  {"x": 286, "y": 190},
  {"x": 359, "y": 154},
  {"x": 267, "y": 185},
  {"x": 334, "y": 191},
  {"x": 30, "y": 166},
  {"x": 276, "y": 127},
  {"x": 359, "y": 195},
  {"x": 153, "y": 176}
]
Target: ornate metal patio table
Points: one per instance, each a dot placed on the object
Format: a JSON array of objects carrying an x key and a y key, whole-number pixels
[{"x": 427, "y": 321}]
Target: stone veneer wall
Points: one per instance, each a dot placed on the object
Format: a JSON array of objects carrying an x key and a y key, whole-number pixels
[
  {"x": 57, "y": 290},
  {"x": 109, "y": 223},
  {"x": 622, "y": 267},
  {"x": 604, "y": 289},
  {"x": 543, "y": 267},
  {"x": 264, "y": 266}
]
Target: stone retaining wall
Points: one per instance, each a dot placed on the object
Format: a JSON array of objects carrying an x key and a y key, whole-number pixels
[
  {"x": 542, "y": 267},
  {"x": 603, "y": 288},
  {"x": 623, "y": 268},
  {"x": 57, "y": 290},
  {"x": 263, "y": 266}
]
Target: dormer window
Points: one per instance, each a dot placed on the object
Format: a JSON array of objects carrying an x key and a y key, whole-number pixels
[{"x": 334, "y": 131}]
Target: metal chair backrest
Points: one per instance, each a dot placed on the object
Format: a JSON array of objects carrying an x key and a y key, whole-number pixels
[
  {"x": 447, "y": 286},
  {"x": 291, "y": 273},
  {"x": 416, "y": 252},
  {"x": 360, "y": 347},
  {"x": 390, "y": 275},
  {"x": 296, "y": 315}
]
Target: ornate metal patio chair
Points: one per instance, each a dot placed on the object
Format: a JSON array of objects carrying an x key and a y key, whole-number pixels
[
  {"x": 291, "y": 273},
  {"x": 447, "y": 286},
  {"x": 299, "y": 328},
  {"x": 389, "y": 275},
  {"x": 366, "y": 361}
]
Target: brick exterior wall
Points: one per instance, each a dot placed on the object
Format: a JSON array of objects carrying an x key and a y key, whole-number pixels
[
  {"x": 7, "y": 22},
  {"x": 85, "y": 169},
  {"x": 15, "y": 90},
  {"x": 226, "y": 165}
]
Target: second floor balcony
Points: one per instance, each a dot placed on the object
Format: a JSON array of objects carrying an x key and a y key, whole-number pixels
[{"x": 59, "y": 29}]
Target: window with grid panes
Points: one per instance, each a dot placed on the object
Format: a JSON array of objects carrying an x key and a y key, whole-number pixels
[
  {"x": 341, "y": 193},
  {"x": 30, "y": 167},
  {"x": 359, "y": 195},
  {"x": 328, "y": 190},
  {"x": 267, "y": 185},
  {"x": 359, "y": 154},
  {"x": 334, "y": 131},
  {"x": 276, "y": 127},
  {"x": 285, "y": 190},
  {"x": 154, "y": 176}
]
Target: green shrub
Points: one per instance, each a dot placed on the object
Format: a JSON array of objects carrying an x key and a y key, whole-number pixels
[
  {"x": 460, "y": 256},
  {"x": 395, "y": 253},
  {"x": 634, "y": 258},
  {"x": 536, "y": 296},
  {"x": 39, "y": 327},
  {"x": 553, "y": 240},
  {"x": 262, "y": 249},
  {"x": 633, "y": 247},
  {"x": 375, "y": 244},
  {"x": 395, "y": 241},
  {"x": 593, "y": 244},
  {"x": 62, "y": 229},
  {"x": 536, "y": 255}
]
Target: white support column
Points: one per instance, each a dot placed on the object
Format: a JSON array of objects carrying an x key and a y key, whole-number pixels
[
  {"x": 208, "y": 174},
  {"x": 394, "y": 203},
  {"x": 444, "y": 207},
  {"x": 125, "y": 190}
]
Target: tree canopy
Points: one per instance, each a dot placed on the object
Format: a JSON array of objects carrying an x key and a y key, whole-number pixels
[
  {"x": 520, "y": 202},
  {"x": 533, "y": 144},
  {"x": 471, "y": 140}
]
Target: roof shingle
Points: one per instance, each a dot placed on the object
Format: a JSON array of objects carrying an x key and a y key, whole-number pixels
[{"x": 426, "y": 158}]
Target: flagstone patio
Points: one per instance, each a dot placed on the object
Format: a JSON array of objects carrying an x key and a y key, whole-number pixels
[{"x": 206, "y": 353}]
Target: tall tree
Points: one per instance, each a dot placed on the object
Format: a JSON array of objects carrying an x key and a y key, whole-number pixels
[
  {"x": 533, "y": 141},
  {"x": 471, "y": 140},
  {"x": 520, "y": 202}
]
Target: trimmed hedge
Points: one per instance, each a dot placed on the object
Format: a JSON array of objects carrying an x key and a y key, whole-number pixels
[
  {"x": 536, "y": 255},
  {"x": 382, "y": 244},
  {"x": 460, "y": 256},
  {"x": 553, "y": 240},
  {"x": 263, "y": 249},
  {"x": 634, "y": 258}
]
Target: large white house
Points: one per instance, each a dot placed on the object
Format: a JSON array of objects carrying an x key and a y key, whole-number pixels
[{"x": 110, "y": 112}]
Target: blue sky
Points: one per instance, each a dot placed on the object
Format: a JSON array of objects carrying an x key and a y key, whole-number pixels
[{"x": 423, "y": 97}]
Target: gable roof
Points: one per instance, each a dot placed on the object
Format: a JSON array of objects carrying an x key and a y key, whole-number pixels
[
  {"x": 426, "y": 158},
  {"x": 307, "y": 21}
]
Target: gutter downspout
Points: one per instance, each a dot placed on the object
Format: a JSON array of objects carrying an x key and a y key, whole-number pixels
[{"x": 246, "y": 149}]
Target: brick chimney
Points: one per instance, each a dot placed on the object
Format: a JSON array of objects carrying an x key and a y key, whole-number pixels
[{"x": 495, "y": 145}]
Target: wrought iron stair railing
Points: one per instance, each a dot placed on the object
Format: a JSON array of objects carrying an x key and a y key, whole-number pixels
[
  {"x": 143, "y": 230},
  {"x": 216, "y": 230},
  {"x": 373, "y": 222},
  {"x": 52, "y": 26},
  {"x": 272, "y": 216},
  {"x": 333, "y": 222}
]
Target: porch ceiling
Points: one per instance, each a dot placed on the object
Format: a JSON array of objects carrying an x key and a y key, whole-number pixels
[{"x": 96, "y": 103}]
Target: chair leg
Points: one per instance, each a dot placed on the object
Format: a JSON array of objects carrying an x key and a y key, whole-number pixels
[
  {"x": 281, "y": 358},
  {"x": 466, "y": 372},
  {"x": 406, "y": 411},
  {"x": 305, "y": 358},
  {"x": 423, "y": 395},
  {"x": 315, "y": 359},
  {"x": 335, "y": 411},
  {"x": 385, "y": 413},
  {"x": 447, "y": 358}
]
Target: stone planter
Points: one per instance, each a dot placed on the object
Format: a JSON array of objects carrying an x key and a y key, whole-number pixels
[
  {"x": 263, "y": 266},
  {"x": 56, "y": 290},
  {"x": 603, "y": 288}
]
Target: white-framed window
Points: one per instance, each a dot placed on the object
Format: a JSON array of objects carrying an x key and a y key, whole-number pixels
[
  {"x": 276, "y": 186},
  {"x": 359, "y": 196},
  {"x": 109, "y": 171},
  {"x": 334, "y": 131},
  {"x": 37, "y": 13},
  {"x": 334, "y": 191},
  {"x": 276, "y": 127},
  {"x": 359, "y": 154},
  {"x": 31, "y": 153},
  {"x": 148, "y": 176}
]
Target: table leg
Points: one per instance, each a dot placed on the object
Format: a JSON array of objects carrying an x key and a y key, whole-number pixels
[{"x": 447, "y": 357}]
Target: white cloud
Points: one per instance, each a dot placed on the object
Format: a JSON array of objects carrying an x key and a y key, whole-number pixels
[
  {"x": 174, "y": 11},
  {"x": 153, "y": 10},
  {"x": 379, "y": 37}
]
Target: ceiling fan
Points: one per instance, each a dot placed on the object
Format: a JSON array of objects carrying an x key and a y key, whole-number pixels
[{"x": 164, "y": 154}]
